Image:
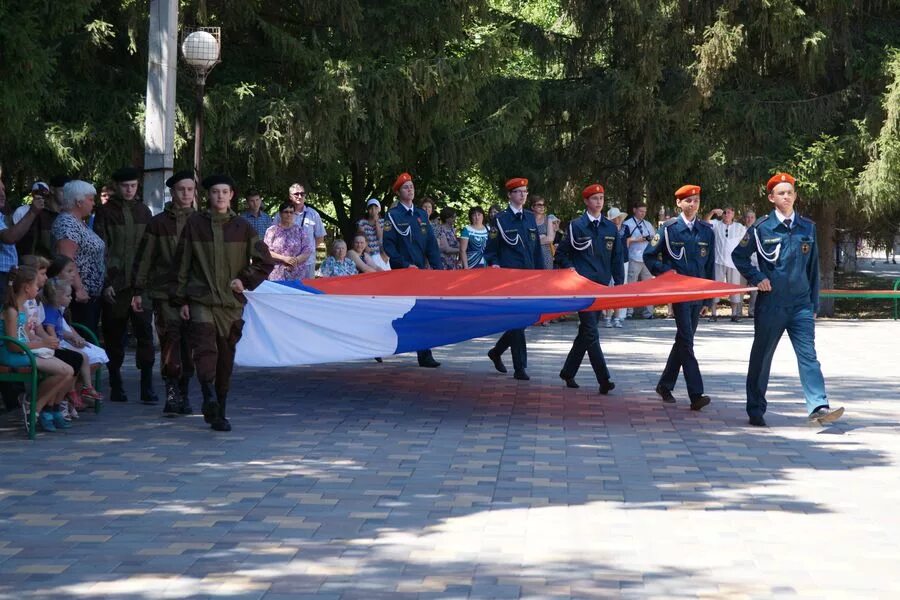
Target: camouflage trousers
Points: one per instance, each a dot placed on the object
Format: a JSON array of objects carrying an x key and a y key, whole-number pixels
[
  {"x": 214, "y": 334},
  {"x": 174, "y": 346}
]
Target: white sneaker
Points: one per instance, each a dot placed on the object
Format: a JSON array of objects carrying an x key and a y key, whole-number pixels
[
  {"x": 64, "y": 408},
  {"x": 617, "y": 323},
  {"x": 608, "y": 323}
]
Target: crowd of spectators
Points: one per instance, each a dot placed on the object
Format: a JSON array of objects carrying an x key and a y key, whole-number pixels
[{"x": 54, "y": 232}]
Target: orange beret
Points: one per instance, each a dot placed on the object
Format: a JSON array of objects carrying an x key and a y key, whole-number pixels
[
  {"x": 594, "y": 188},
  {"x": 516, "y": 182},
  {"x": 779, "y": 178},
  {"x": 401, "y": 179},
  {"x": 687, "y": 190}
]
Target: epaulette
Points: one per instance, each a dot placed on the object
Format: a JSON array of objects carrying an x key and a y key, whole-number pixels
[
  {"x": 807, "y": 219},
  {"x": 669, "y": 221},
  {"x": 704, "y": 223}
]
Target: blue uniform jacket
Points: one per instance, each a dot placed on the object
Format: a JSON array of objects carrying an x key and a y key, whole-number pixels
[
  {"x": 408, "y": 239},
  {"x": 596, "y": 253},
  {"x": 676, "y": 246},
  {"x": 788, "y": 259},
  {"x": 514, "y": 243}
]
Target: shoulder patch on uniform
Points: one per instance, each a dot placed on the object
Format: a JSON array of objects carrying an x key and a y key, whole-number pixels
[
  {"x": 387, "y": 226},
  {"x": 746, "y": 239},
  {"x": 492, "y": 234},
  {"x": 655, "y": 239}
]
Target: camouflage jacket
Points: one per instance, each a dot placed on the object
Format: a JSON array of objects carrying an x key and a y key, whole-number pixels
[
  {"x": 215, "y": 249},
  {"x": 121, "y": 225},
  {"x": 155, "y": 269}
]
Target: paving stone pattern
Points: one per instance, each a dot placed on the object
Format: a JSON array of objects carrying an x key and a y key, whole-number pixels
[{"x": 371, "y": 480}]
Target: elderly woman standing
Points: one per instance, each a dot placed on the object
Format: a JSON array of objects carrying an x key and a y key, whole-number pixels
[
  {"x": 72, "y": 238},
  {"x": 288, "y": 246}
]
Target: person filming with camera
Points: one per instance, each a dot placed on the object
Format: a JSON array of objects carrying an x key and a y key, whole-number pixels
[{"x": 637, "y": 233}]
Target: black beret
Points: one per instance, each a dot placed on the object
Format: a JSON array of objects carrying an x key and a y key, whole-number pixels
[
  {"x": 171, "y": 181},
  {"x": 126, "y": 174},
  {"x": 58, "y": 181},
  {"x": 212, "y": 180}
]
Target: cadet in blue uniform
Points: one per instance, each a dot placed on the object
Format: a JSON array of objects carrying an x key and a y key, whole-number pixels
[
  {"x": 409, "y": 241},
  {"x": 687, "y": 245},
  {"x": 788, "y": 281},
  {"x": 514, "y": 243},
  {"x": 593, "y": 247}
]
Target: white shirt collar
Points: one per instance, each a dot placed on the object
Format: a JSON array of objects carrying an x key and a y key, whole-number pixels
[
  {"x": 408, "y": 208},
  {"x": 591, "y": 218},
  {"x": 781, "y": 217},
  {"x": 690, "y": 224},
  {"x": 513, "y": 209}
]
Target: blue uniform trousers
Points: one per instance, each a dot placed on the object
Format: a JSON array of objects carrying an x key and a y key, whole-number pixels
[
  {"x": 514, "y": 339},
  {"x": 687, "y": 316},
  {"x": 587, "y": 340},
  {"x": 769, "y": 323}
]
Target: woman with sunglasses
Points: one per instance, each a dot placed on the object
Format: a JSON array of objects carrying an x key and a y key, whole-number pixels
[
  {"x": 547, "y": 226},
  {"x": 288, "y": 246}
]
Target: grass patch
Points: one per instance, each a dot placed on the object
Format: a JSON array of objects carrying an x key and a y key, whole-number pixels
[{"x": 862, "y": 308}]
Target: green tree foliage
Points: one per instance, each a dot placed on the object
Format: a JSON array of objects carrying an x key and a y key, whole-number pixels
[{"x": 642, "y": 95}]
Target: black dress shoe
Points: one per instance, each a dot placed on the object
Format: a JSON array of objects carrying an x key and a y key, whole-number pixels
[
  {"x": 698, "y": 402},
  {"x": 220, "y": 424},
  {"x": 429, "y": 364},
  {"x": 735, "y": 319},
  {"x": 521, "y": 375},
  {"x": 665, "y": 394},
  {"x": 607, "y": 386},
  {"x": 570, "y": 381},
  {"x": 758, "y": 421},
  {"x": 497, "y": 360}
]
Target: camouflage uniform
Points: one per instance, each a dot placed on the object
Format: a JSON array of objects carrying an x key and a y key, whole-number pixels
[
  {"x": 214, "y": 250},
  {"x": 156, "y": 277},
  {"x": 121, "y": 223}
]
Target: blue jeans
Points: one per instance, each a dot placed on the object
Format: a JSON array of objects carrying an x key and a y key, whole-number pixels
[{"x": 770, "y": 321}]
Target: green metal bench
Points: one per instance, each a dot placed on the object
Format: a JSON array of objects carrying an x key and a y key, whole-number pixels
[
  {"x": 870, "y": 294},
  {"x": 24, "y": 375}
]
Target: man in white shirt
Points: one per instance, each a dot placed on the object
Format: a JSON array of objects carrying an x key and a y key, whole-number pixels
[
  {"x": 728, "y": 234},
  {"x": 637, "y": 234}
]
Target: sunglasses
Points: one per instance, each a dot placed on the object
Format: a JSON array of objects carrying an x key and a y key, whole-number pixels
[{"x": 298, "y": 193}]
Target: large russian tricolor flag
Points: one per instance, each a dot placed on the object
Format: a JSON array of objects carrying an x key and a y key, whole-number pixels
[{"x": 380, "y": 314}]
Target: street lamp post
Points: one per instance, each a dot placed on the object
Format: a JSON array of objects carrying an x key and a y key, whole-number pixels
[{"x": 201, "y": 48}]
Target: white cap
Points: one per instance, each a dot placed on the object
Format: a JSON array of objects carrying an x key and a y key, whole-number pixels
[
  {"x": 373, "y": 201},
  {"x": 614, "y": 213}
]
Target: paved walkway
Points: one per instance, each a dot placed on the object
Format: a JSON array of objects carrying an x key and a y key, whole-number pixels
[{"x": 369, "y": 481}]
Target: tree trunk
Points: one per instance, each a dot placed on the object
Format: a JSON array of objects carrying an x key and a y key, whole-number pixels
[{"x": 825, "y": 222}]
